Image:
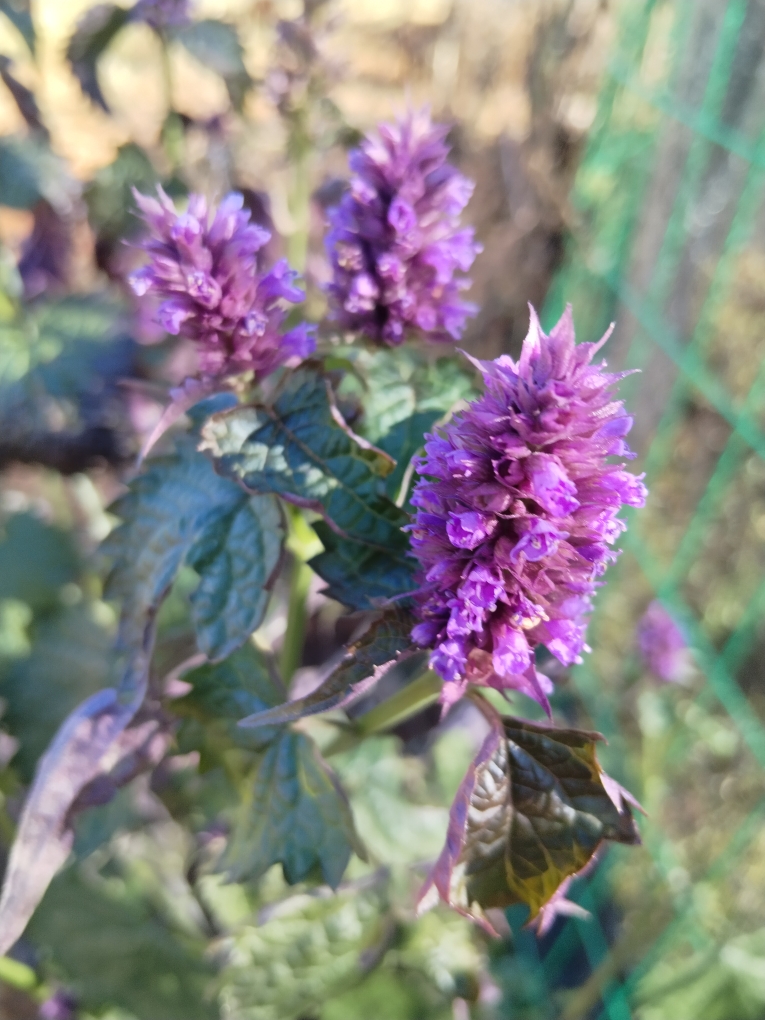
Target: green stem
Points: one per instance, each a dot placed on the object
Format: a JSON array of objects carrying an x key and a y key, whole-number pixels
[
  {"x": 402, "y": 705},
  {"x": 294, "y": 636}
]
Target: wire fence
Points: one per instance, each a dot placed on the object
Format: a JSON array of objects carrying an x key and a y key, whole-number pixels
[{"x": 668, "y": 239}]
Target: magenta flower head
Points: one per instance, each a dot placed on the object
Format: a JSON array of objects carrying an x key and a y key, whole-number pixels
[
  {"x": 203, "y": 266},
  {"x": 662, "y": 645},
  {"x": 516, "y": 515},
  {"x": 395, "y": 241}
]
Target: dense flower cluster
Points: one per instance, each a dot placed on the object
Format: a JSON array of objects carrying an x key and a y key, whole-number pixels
[
  {"x": 662, "y": 645},
  {"x": 516, "y": 514},
  {"x": 395, "y": 241},
  {"x": 162, "y": 14},
  {"x": 204, "y": 269}
]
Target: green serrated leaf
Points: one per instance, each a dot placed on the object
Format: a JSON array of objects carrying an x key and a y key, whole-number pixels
[
  {"x": 216, "y": 45},
  {"x": 364, "y": 664},
  {"x": 403, "y": 441},
  {"x": 402, "y": 382},
  {"x": 358, "y": 575},
  {"x": 532, "y": 810},
  {"x": 294, "y": 814},
  {"x": 180, "y": 510},
  {"x": 310, "y": 949},
  {"x": 239, "y": 686},
  {"x": 94, "y": 31},
  {"x": 117, "y": 951},
  {"x": 301, "y": 449}
]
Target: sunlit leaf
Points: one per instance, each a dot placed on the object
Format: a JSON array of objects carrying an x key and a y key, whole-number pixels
[
  {"x": 179, "y": 510},
  {"x": 301, "y": 449},
  {"x": 532, "y": 810},
  {"x": 365, "y": 663},
  {"x": 216, "y": 45},
  {"x": 118, "y": 951},
  {"x": 294, "y": 814},
  {"x": 308, "y": 950},
  {"x": 401, "y": 383}
]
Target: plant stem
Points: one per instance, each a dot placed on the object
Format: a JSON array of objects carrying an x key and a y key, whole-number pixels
[
  {"x": 294, "y": 635},
  {"x": 402, "y": 705}
]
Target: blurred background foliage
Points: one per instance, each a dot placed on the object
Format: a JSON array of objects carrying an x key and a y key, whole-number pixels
[{"x": 617, "y": 149}]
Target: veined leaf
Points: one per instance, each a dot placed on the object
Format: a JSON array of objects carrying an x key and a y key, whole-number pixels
[
  {"x": 94, "y": 31},
  {"x": 358, "y": 575},
  {"x": 402, "y": 443},
  {"x": 401, "y": 383},
  {"x": 295, "y": 814},
  {"x": 239, "y": 686},
  {"x": 120, "y": 951},
  {"x": 362, "y": 576},
  {"x": 532, "y": 810},
  {"x": 180, "y": 510},
  {"x": 301, "y": 449},
  {"x": 309, "y": 949},
  {"x": 365, "y": 663}
]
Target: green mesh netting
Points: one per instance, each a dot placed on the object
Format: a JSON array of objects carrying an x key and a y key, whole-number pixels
[{"x": 668, "y": 240}]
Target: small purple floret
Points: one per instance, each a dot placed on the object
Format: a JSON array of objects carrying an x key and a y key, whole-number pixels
[
  {"x": 395, "y": 241},
  {"x": 62, "y": 1005},
  {"x": 516, "y": 515},
  {"x": 203, "y": 266},
  {"x": 662, "y": 645}
]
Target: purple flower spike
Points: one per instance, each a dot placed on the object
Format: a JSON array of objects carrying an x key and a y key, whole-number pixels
[
  {"x": 395, "y": 241},
  {"x": 662, "y": 645},
  {"x": 204, "y": 268},
  {"x": 516, "y": 515}
]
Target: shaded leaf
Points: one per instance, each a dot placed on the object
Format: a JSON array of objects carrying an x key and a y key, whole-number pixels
[
  {"x": 301, "y": 449},
  {"x": 94, "y": 31},
  {"x": 70, "y": 660},
  {"x": 403, "y": 441},
  {"x": 36, "y": 561},
  {"x": 19, "y": 14},
  {"x": 119, "y": 951},
  {"x": 239, "y": 686},
  {"x": 111, "y": 207},
  {"x": 180, "y": 511},
  {"x": 80, "y": 752},
  {"x": 294, "y": 813},
  {"x": 23, "y": 97},
  {"x": 532, "y": 810},
  {"x": 358, "y": 575},
  {"x": 216, "y": 45},
  {"x": 365, "y": 663},
  {"x": 399, "y": 383},
  {"x": 308, "y": 950},
  {"x": 30, "y": 172}
]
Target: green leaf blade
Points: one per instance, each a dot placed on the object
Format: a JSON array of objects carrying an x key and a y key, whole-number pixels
[{"x": 295, "y": 814}]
